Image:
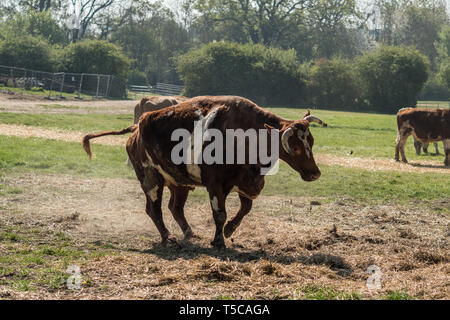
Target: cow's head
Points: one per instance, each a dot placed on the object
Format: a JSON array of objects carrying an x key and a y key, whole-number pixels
[{"x": 297, "y": 143}]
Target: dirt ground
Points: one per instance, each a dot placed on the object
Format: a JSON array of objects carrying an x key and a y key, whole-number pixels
[
  {"x": 22, "y": 103},
  {"x": 283, "y": 245}
]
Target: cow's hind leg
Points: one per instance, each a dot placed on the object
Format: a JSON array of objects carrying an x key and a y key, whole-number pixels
[
  {"x": 436, "y": 147},
  {"x": 402, "y": 137},
  {"x": 153, "y": 185},
  {"x": 446, "y": 151},
  {"x": 178, "y": 197},
  {"x": 246, "y": 206}
]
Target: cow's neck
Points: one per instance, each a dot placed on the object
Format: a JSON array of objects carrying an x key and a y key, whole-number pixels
[{"x": 274, "y": 121}]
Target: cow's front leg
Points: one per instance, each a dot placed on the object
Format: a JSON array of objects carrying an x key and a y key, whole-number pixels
[
  {"x": 217, "y": 200},
  {"x": 246, "y": 206},
  {"x": 417, "y": 146},
  {"x": 425, "y": 147}
]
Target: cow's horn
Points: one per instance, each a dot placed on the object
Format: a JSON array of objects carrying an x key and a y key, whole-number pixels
[
  {"x": 315, "y": 119},
  {"x": 284, "y": 140}
]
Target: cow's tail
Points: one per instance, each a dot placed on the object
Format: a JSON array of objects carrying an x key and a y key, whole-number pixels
[{"x": 86, "y": 138}]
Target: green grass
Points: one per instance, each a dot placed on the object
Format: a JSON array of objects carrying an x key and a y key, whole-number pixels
[
  {"x": 398, "y": 295},
  {"x": 38, "y": 258},
  {"x": 362, "y": 134},
  {"x": 315, "y": 292},
  {"x": 359, "y": 184},
  {"x": 57, "y": 157},
  {"x": 78, "y": 122},
  {"x": 50, "y": 156}
]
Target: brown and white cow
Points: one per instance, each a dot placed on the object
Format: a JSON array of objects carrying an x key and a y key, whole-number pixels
[
  {"x": 150, "y": 149},
  {"x": 426, "y": 125}
]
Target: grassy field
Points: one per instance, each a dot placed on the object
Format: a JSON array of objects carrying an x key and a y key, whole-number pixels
[
  {"x": 358, "y": 134},
  {"x": 58, "y": 208}
]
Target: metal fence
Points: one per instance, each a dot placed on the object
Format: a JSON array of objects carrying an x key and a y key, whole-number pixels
[
  {"x": 61, "y": 84},
  {"x": 164, "y": 89}
]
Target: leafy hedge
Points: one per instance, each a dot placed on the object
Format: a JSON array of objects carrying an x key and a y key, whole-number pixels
[
  {"x": 392, "y": 77},
  {"x": 265, "y": 75},
  {"x": 29, "y": 52},
  {"x": 383, "y": 80},
  {"x": 95, "y": 56}
]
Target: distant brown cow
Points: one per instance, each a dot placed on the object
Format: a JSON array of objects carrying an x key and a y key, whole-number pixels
[
  {"x": 155, "y": 103},
  {"x": 426, "y": 125}
]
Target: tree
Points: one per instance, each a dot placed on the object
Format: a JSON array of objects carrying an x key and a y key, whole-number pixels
[
  {"x": 151, "y": 37},
  {"x": 423, "y": 22},
  {"x": 87, "y": 10},
  {"x": 268, "y": 76},
  {"x": 29, "y": 52},
  {"x": 258, "y": 21},
  {"x": 95, "y": 56},
  {"x": 333, "y": 84},
  {"x": 392, "y": 77},
  {"x": 333, "y": 24},
  {"x": 37, "y": 24},
  {"x": 443, "y": 50}
]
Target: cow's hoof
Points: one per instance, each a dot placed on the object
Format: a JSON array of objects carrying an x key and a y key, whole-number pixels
[
  {"x": 218, "y": 244},
  {"x": 169, "y": 240},
  {"x": 190, "y": 235},
  {"x": 404, "y": 161},
  {"x": 228, "y": 230}
]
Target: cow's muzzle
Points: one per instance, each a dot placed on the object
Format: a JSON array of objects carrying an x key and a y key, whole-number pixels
[{"x": 310, "y": 176}]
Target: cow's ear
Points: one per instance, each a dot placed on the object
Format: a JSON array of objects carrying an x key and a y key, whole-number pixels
[{"x": 268, "y": 127}]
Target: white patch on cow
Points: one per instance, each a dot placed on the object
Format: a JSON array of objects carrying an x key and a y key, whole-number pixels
[
  {"x": 194, "y": 172},
  {"x": 153, "y": 194},
  {"x": 166, "y": 176},
  {"x": 169, "y": 113},
  {"x": 198, "y": 112},
  {"x": 196, "y": 146},
  {"x": 215, "y": 203},
  {"x": 303, "y": 136},
  {"x": 209, "y": 118}
]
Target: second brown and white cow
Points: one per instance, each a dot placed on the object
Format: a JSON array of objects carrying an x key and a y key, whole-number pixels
[
  {"x": 426, "y": 125},
  {"x": 151, "y": 147},
  {"x": 153, "y": 103}
]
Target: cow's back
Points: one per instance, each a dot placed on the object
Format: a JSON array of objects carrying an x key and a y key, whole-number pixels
[
  {"x": 148, "y": 104},
  {"x": 428, "y": 124}
]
